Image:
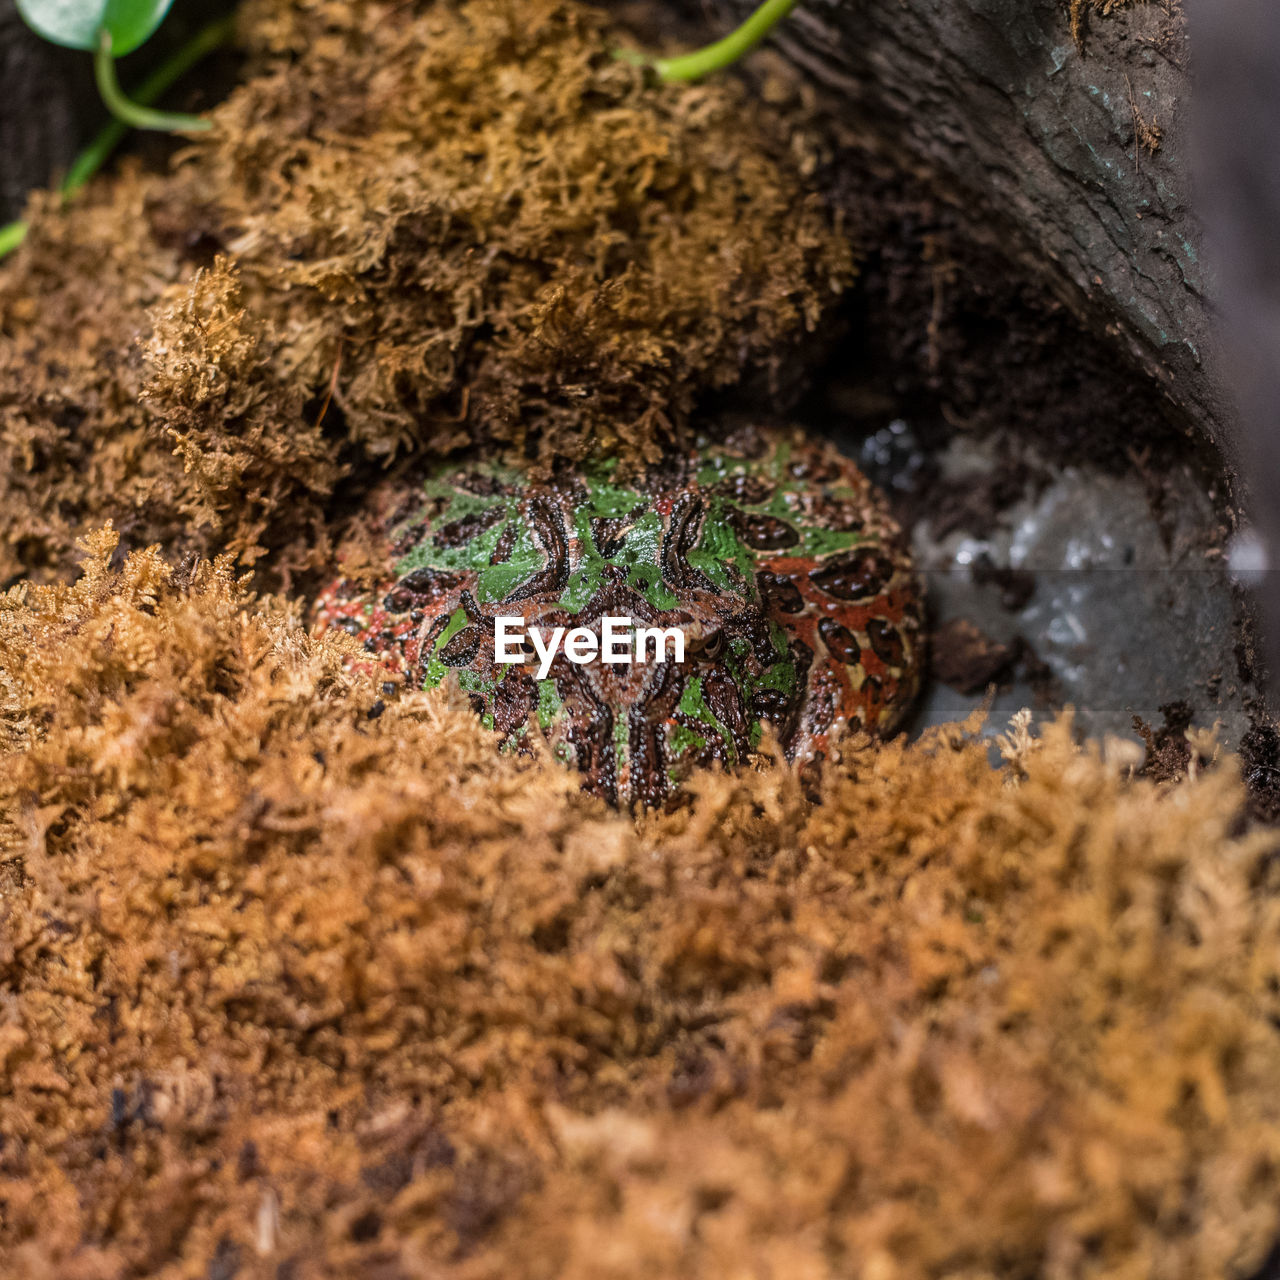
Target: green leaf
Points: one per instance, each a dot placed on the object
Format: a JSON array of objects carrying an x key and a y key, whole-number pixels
[{"x": 76, "y": 23}]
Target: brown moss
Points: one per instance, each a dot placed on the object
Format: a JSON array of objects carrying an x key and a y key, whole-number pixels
[
  {"x": 465, "y": 224},
  {"x": 72, "y": 438},
  {"x": 239, "y": 427},
  {"x": 307, "y": 985},
  {"x": 1079, "y": 10}
]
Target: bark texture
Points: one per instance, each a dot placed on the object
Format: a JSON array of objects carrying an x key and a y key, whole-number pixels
[{"x": 1068, "y": 154}]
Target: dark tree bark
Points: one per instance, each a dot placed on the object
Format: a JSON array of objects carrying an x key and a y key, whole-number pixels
[
  {"x": 1047, "y": 143},
  {"x": 1087, "y": 160}
]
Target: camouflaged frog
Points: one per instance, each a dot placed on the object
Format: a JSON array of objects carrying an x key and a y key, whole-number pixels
[{"x": 771, "y": 552}]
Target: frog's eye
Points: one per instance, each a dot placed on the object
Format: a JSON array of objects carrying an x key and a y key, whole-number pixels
[{"x": 708, "y": 647}]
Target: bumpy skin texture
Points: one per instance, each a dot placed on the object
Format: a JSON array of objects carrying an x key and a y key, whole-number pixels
[{"x": 771, "y": 551}]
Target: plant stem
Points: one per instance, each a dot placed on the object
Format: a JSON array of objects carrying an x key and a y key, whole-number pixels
[
  {"x": 159, "y": 82},
  {"x": 723, "y": 53},
  {"x": 125, "y": 109},
  {"x": 11, "y": 236}
]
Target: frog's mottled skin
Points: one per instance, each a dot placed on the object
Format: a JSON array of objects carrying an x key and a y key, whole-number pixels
[{"x": 772, "y": 551}]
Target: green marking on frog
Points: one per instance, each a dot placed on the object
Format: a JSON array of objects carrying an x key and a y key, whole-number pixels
[
  {"x": 620, "y": 740},
  {"x": 639, "y": 555},
  {"x": 684, "y": 739},
  {"x": 497, "y": 581},
  {"x": 694, "y": 705},
  {"x": 609, "y": 501},
  {"x": 720, "y": 554},
  {"x": 549, "y": 704},
  {"x": 436, "y": 670}
]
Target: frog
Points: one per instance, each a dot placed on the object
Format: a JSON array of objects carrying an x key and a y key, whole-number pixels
[{"x": 775, "y": 559}]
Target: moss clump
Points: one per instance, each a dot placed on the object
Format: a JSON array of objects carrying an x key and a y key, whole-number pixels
[
  {"x": 431, "y": 228},
  {"x": 317, "y": 987}
]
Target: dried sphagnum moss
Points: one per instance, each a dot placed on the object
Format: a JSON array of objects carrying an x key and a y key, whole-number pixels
[
  {"x": 299, "y": 985},
  {"x": 464, "y": 223}
]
